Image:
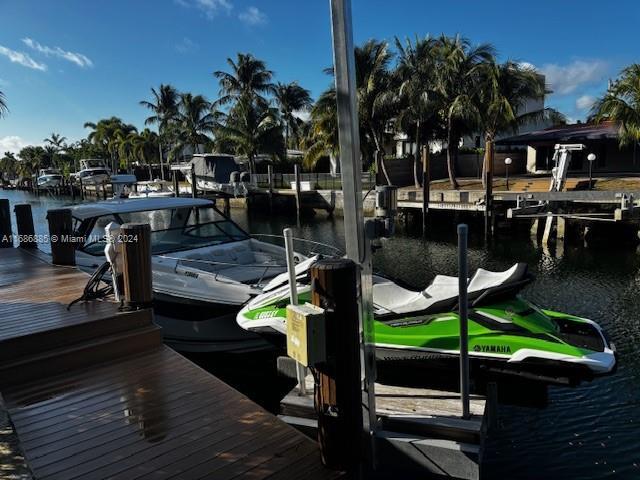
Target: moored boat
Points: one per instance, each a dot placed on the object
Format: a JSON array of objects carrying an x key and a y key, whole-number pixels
[{"x": 508, "y": 335}]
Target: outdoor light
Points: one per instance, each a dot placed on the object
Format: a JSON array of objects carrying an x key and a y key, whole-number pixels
[
  {"x": 507, "y": 162},
  {"x": 591, "y": 157}
]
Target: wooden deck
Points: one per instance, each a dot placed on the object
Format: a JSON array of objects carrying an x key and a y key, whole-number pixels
[{"x": 93, "y": 394}]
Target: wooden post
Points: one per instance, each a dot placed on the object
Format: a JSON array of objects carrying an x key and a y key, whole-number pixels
[
  {"x": 6, "y": 234},
  {"x": 24, "y": 222},
  {"x": 81, "y": 188},
  {"x": 194, "y": 182},
  {"x": 426, "y": 184},
  {"x": 63, "y": 248},
  {"x": 338, "y": 395},
  {"x": 176, "y": 184},
  {"x": 296, "y": 171},
  {"x": 136, "y": 261},
  {"x": 488, "y": 195},
  {"x": 227, "y": 206},
  {"x": 104, "y": 190},
  {"x": 270, "y": 179}
]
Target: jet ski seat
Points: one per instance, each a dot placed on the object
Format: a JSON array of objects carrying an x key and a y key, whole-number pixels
[{"x": 391, "y": 300}]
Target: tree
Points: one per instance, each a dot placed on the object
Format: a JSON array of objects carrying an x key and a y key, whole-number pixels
[
  {"x": 194, "y": 121},
  {"x": 165, "y": 110},
  {"x": 31, "y": 159},
  {"x": 8, "y": 166},
  {"x": 459, "y": 73},
  {"x": 251, "y": 128},
  {"x": 248, "y": 78},
  {"x": 621, "y": 104},
  {"x": 322, "y": 137},
  {"x": 291, "y": 98},
  {"x": 146, "y": 148},
  {"x": 55, "y": 145},
  {"x": 105, "y": 135},
  {"x": 3, "y": 105},
  {"x": 421, "y": 103}
]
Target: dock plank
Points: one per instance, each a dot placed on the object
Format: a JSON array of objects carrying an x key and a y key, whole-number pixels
[{"x": 144, "y": 414}]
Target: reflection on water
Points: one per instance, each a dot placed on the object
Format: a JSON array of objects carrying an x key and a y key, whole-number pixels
[{"x": 590, "y": 432}]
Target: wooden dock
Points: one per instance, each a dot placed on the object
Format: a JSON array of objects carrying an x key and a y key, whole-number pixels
[{"x": 92, "y": 393}]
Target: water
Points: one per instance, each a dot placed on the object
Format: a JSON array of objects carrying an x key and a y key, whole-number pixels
[{"x": 589, "y": 432}]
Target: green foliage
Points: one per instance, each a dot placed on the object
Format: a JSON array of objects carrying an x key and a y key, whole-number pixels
[{"x": 621, "y": 104}]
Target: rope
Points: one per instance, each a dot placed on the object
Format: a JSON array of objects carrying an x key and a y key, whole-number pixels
[{"x": 93, "y": 291}]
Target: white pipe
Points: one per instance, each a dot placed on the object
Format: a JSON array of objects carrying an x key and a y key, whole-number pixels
[{"x": 301, "y": 371}]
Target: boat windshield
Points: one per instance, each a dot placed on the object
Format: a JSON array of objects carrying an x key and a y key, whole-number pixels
[{"x": 172, "y": 229}]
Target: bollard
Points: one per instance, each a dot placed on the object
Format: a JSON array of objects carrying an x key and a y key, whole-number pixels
[
  {"x": 488, "y": 195},
  {"x": 338, "y": 396},
  {"x": 296, "y": 171},
  {"x": 176, "y": 185},
  {"x": 464, "y": 320},
  {"x": 63, "y": 248},
  {"x": 6, "y": 234},
  {"x": 24, "y": 222},
  {"x": 426, "y": 185},
  {"x": 194, "y": 182},
  {"x": 136, "y": 262}
]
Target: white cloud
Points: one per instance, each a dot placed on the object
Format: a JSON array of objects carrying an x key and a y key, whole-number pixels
[
  {"x": 78, "y": 58},
  {"x": 303, "y": 115},
  {"x": 186, "y": 45},
  {"x": 585, "y": 102},
  {"x": 252, "y": 16},
  {"x": 12, "y": 143},
  {"x": 22, "y": 58},
  {"x": 565, "y": 79},
  {"x": 211, "y": 8}
]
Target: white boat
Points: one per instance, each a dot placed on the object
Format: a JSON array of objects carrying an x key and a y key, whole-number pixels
[
  {"x": 152, "y": 188},
  {"x": 93, "y": 171},
  {"x": 49, "y": 178},
  {"x": 205, "y": 267},
  {"x": 214, "y": 173}
]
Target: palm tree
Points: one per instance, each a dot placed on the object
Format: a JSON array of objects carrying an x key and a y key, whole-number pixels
[
  {"x": 146, "y": 147},
  {"x": 55, "y": 145},
  {"x": 3, "y": 105},
  {"x": 322, "y": 138},
  {"x": 8, "y": 165},
  {"x": 194, "y": 121},
  {"x": 104, "y": 134},
  {"x": 251, "y": 128},
  {"x": 290, "y": 98},
  {"x": 249, "y": 77},
  {"x": 165, "y": 109},
  {"x": 621, "y": 104},
  {"x": 419, "y": 96},
  {"x": 459, "y": 71}
]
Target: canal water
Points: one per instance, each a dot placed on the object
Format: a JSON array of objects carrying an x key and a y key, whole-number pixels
[{"x": 588, "y": 432}]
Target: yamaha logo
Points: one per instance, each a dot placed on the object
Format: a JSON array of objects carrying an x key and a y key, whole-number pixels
[{"x": 492, "y": 348}]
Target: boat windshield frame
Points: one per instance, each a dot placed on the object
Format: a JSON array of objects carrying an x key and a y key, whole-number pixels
[{"x": 222, "y": 235}]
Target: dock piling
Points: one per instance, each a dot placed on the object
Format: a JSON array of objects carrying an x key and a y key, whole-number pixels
[
  {"x": 426, "y": 184},
  {"x": 136, "y": 256},
  {"x": 176, "y": 185},
  {"x": 464, "y": 321},
  {"x": 338, "y": 396},
  {"x": 6, "y": 234},
  {"x": 270, "y": 179},
  {"x": 194, "y": 182},
  {"x": 24, "y": 222},
  {"x": 296, "y": 171},
  {"x": 63, "y": 249},
  {"x": 488, "y": 196}
]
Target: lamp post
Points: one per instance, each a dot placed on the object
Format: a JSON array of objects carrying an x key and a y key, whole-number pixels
[
  {"x": 507, "y": 162},
  {"x": 592, "y": 158}
]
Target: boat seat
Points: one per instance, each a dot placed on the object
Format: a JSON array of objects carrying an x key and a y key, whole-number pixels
[{"x": 390, "y": 299}]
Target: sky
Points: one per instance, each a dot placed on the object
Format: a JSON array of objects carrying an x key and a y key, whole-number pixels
[{"x": 66, "y": 62}]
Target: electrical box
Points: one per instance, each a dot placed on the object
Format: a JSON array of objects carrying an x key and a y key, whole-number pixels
[{"x": 306, "y": 334}]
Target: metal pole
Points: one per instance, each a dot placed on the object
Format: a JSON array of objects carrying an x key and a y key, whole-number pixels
[
  {"x": 463, "y": 304},
  {"x": 357, "y": 248},
  {"x": 293, "y": 298},
  {"x": 590, "y": 173},
  {"x": 507, "y": 167}
]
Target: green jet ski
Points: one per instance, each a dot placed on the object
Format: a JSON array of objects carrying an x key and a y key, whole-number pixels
[{"x": 508, "y": 336}]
